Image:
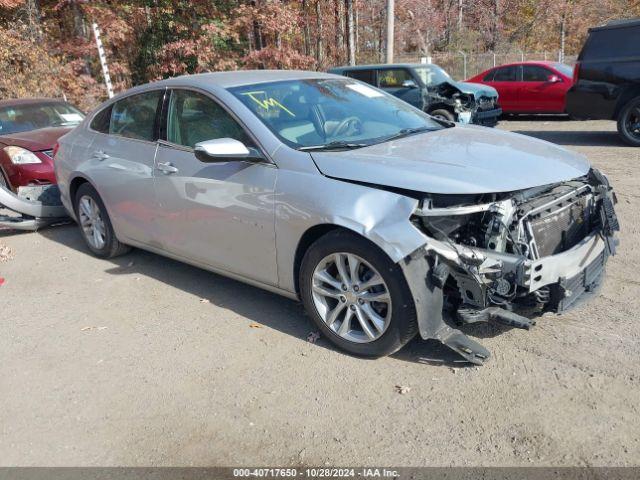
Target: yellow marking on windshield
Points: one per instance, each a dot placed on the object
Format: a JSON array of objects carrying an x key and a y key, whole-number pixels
[{"x": 267, "y": 103}]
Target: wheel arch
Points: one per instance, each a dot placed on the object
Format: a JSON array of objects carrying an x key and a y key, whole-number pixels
[
  {"x": 308, "y": 238},
  {"x": 626, "y": 96}
]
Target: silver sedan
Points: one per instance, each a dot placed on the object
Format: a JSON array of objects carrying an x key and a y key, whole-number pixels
[{"x": 382, "y": 220}]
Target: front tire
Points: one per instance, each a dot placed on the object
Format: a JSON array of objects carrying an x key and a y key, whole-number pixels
[
  {"x": 95, "y": 224},
  {"x": 443, "y": 114},
  {"x": 629, "y": 123},
  {"x": 356, "y": 295}
]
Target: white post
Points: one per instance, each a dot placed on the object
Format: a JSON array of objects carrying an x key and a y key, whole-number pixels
[
  {"x": 103, "y": 60},
  {"x": 494, "y": 59}
]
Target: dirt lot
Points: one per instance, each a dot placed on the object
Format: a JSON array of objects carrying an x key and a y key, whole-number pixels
[{"x": 146, "y": 361}]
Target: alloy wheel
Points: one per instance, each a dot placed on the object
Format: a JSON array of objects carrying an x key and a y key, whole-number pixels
[
  {"x": 351, "y": 297},
  {"x": 632, "y": 122},
  {"x": 92, "y": 222}
]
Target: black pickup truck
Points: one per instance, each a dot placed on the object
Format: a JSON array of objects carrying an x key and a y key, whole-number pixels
[{"x": 607, "y": 78}]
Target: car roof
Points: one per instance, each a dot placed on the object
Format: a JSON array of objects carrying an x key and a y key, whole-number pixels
[
  {"x": 379, "y": 66},
  {"x": 227, "y": 79},
  {"x": 29, "y": 101},
  {"x": 627, "y": 22},
  {"x": 527, "y": 62},
  {"x": 239, "y": 78}
]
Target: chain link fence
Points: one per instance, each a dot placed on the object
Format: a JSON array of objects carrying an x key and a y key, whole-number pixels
[{"x": 461, "y": 65}]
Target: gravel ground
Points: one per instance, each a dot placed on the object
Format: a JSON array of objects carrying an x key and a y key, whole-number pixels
[{"x": 145, "y": 361}]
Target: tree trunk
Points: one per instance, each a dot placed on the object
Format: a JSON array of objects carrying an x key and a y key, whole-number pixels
[
  {"x": 351, "y": 37},
  {"x": 339, "y": 31},
  {"x": 307, "y": 35},
  {"x": 390, "y": 29},
  {"x": 319, "y": 33}
]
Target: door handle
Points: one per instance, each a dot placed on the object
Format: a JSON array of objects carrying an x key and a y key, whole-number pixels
[
  {"x": 100, "y": 155},
  {"x": 167, "y": 168}
]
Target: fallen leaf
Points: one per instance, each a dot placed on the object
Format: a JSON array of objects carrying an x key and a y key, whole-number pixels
[
  {"x": 313, "y": 337},
  {"x": 84, "y": 329},
  {"x": 204, "y": 300},
  {"x": 402, "y": 389},
  {"x": 1, "y": 281},
  {"x": 255, "y": 325},
  {"x": 130, "y": 264},
  {"x": 64, "y": 259}
]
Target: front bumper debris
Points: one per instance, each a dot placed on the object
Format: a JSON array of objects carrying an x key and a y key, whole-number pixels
[
  {"x": 558, "y": 282},
  {"x": 33, "y": 207},
  {"x": 487, "y": 118}
]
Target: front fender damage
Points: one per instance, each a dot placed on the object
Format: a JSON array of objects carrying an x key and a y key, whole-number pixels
[{"x": 426, "y": 287}]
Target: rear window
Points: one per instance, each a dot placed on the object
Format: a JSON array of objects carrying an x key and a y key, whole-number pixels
[
  {"x": 506, "y": 74},
  {"x": 612, "y": 43}
]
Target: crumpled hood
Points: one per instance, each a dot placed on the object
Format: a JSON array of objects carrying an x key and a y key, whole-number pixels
[
  {"x": 476, "y": 89},
  {"x": 35, "y": 140},
  {"x": 458, "y": 160}
]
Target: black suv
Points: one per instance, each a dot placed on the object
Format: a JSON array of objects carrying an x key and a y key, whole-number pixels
[{"x": 607, "y": 78}]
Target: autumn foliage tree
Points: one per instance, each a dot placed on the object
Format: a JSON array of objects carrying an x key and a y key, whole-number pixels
[{"x": 47, "y": 46}]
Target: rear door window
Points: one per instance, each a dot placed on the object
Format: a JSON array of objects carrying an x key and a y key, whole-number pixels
[
  {"x": 612, "y": 43},
  {"x": 368, "y": 76},
  {"x": 535, "y": 73},
  {"x": 135, "y": 116},
  {"x": 506, "y": 74}
]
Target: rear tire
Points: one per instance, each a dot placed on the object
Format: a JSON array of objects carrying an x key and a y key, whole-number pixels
[
  {"x": 443, "y": 114},
  {"x": 95, "y": 225},
  {"x": 372, "y": 295},
  {"x": 629, "y": 123}
]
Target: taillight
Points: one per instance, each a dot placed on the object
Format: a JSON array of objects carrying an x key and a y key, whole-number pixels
[
  {"x": 576, "y": 72},
  {"x": 55, "y": 150}
]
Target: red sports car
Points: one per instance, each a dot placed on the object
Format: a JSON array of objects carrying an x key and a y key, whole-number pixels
[
  {"x": 29, "y": 129},
  {"x": 529, "y": 87}
]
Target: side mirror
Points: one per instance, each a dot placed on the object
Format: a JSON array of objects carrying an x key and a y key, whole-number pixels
[
  {"x": 409, "y": 84},
  {"x": 222, "y": 150},
  {"x": 554, "y": 79}
]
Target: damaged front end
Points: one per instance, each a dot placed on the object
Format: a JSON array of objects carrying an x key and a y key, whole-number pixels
[
  {"x": 509, "y": 257},
  {"x": 479, "y": 108},
  {"x": 31, "y": 207}
]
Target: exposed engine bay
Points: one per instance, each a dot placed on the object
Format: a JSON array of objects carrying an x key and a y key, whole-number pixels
[
  {"x": 467, "y": 109},
  {"x": 511, "y": 256}
]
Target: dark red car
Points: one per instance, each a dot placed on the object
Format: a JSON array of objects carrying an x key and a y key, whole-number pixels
[
  {"x": 529, "y": 87},
  {"x": 29, "y": 129}
]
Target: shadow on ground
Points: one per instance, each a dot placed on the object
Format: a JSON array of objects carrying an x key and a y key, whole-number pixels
[
  {"x": 256, "y": 305},
  {"x": 577, "y": 138}
]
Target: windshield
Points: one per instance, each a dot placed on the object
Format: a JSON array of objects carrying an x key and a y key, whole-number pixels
[
  {"x": 432, "y": 75},
  {"x": 564, "y": 69},
  {"x": 308, "y": 114},
  {"x": 31, "y": 116}
]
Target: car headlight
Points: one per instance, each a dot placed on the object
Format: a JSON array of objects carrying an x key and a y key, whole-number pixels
[{"x": 21, "y": 156}]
